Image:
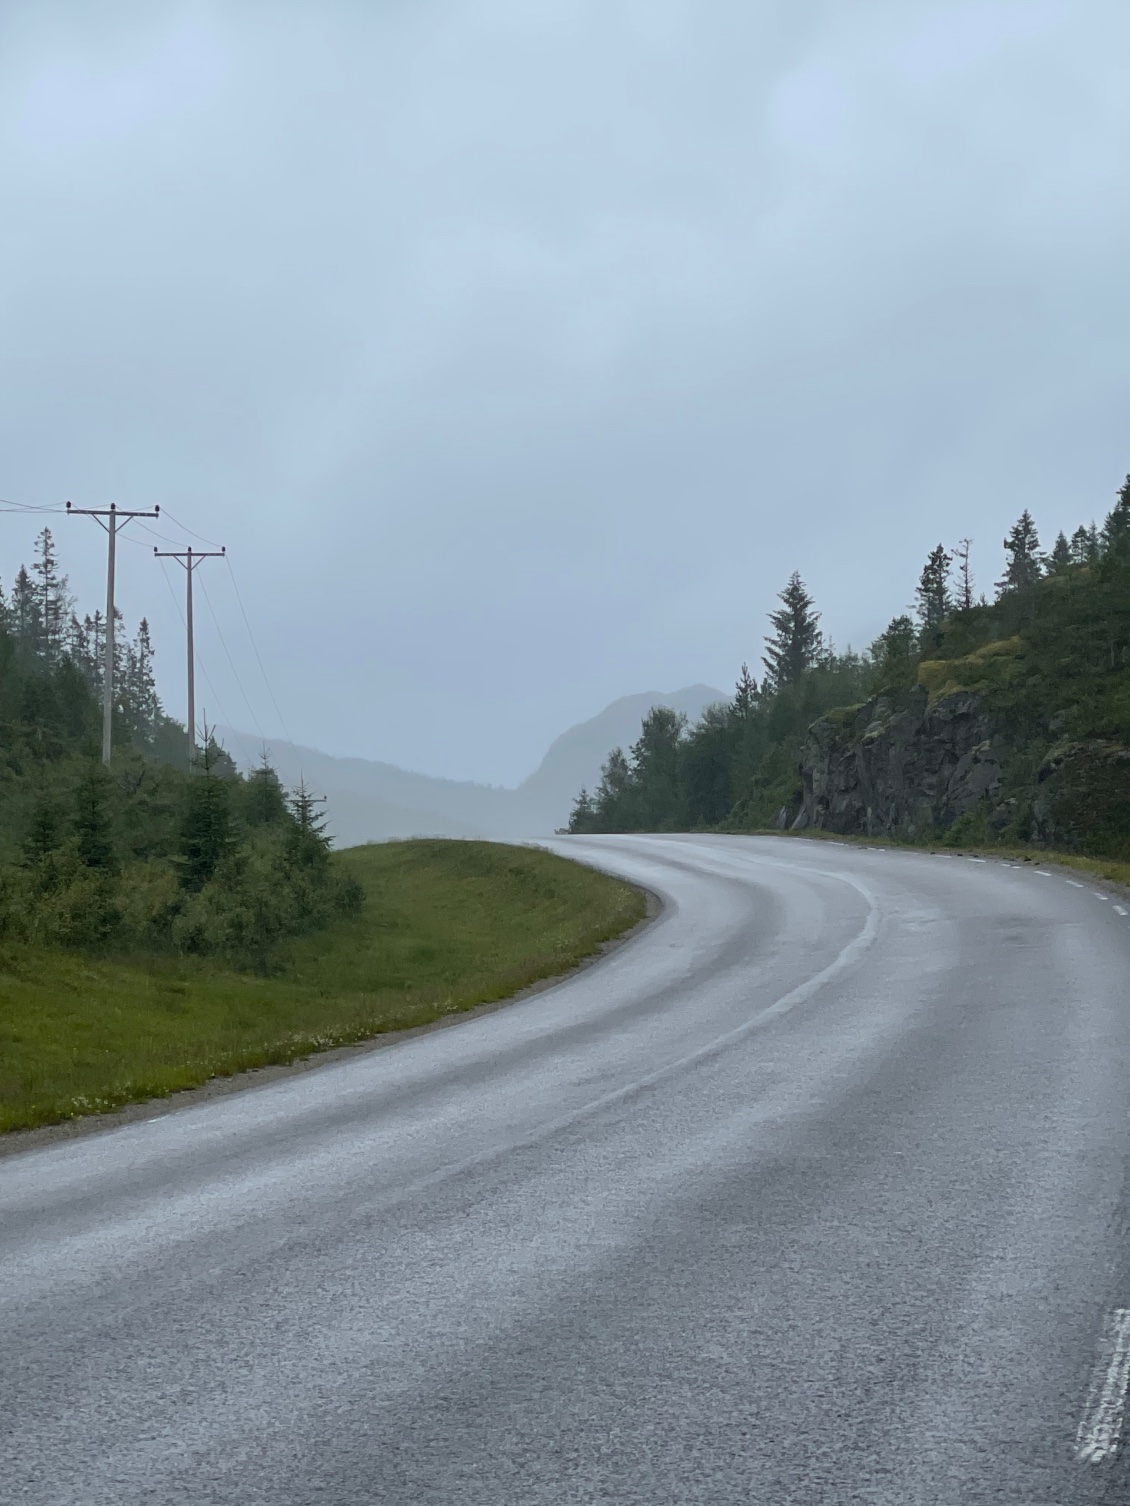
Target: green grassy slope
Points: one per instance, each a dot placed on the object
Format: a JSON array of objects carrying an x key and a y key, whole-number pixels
[{"x": 445, "y": 926}]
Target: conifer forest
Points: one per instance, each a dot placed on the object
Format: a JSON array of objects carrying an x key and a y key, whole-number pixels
[
  {"x": 990, "y": 716},
  {"x": 142, "y": 856}
]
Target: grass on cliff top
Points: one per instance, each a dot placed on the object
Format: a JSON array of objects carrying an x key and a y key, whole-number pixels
[{"x": 445, "y": 926}]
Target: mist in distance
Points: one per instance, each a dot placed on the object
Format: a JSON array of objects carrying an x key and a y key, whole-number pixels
[{"x": 519, "y": 353}]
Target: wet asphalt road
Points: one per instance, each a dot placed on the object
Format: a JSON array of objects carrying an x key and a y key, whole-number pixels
[{"x": 814, "y": 1192}]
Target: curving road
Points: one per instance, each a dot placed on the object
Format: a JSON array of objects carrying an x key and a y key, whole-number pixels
[{"x": 814, "y": 1192}]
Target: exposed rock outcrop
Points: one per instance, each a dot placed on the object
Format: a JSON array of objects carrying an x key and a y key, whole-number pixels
[{"x": 881, "y": 768}]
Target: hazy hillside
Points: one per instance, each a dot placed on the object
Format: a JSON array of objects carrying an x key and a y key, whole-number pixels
[
  {"x": 369, "y": 801},
  {"x": 575, "y": 758}
]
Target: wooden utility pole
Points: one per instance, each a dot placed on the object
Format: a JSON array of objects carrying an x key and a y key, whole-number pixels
[
  {"x": 190, "y": 558},
  {"x": 116, "y": 518}
]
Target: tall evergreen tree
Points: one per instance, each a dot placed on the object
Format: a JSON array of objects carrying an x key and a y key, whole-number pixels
[
  {"x": 583, "y": 814},
  {"x": 745, "y": 695},
  {"x": 206, "y": 835},
  {"x": 93, "y": 824},
  {"x": 963, "y": 598},
  {"x": 1085, "y": 545},
  {"x": 933, "y": 590},
  {"x": 795, "y": 644},
  {"x": 1025, "y": 562},
  {"x": 140, "y": 689},
  {"x": 1116, "y": 529},
  {"x": 24, "y": 612},
  {"x": 1060, "y": 559},
  {"x": 54, "y": 599}
]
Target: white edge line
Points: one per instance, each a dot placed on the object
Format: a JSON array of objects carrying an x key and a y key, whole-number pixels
[{"x": 1101, "y": 1426}]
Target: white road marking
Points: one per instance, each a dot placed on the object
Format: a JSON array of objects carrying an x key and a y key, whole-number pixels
[
  {"x": 978, "y": 860},
  {"x": 1042, "y": 872},
  {"x": 1118, "y": 910},
  {"x": 1097, "y": 895},
  {"x": 1101, "y": 1426},
  {"x": 1075, "y": 884}
]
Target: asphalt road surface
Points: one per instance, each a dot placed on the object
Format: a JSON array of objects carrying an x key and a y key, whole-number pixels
[{"x": 814, "y": 1192}]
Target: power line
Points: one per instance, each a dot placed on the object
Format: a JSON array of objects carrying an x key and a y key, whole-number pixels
[
  {"x": 191, "y": 564},
  {"x": 114, "y": 518},
  {"x": 231, "y": 661},
  {"x": 258, "y": 656},
  {"x": 203, "y": 666},
  {"x": 192, "y": 531}
]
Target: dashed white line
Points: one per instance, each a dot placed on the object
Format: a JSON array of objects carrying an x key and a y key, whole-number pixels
[
  {"x": 1042, "y": 872},
  {"x": 975, "y": 860},
  {"x": 1075, "y": 884},
  {"x": 1118, "y": 910},
  {"x": 1097, "y": 895},
  {"x": 1101, "y": 1426}
]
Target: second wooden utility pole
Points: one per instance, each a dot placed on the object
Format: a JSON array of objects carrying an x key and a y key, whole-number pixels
[
  {"x": 115, "y": 517},
  {"x": 190, "y": 558}
]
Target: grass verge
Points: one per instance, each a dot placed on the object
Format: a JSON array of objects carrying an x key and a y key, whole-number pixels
[
  {"x": 446, "y": 926},
  {"x": 1113, "y": 870}
]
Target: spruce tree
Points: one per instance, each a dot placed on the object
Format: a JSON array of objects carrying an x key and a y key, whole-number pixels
[
  {"x": 795, "y": 644},
  {"x": 933, "y": 590},
  {"x": 93, "y": 824},
  {"x": 205, "y": 837},
  {"x": 583, "y": 814},
  {"x": 25, "y": 615},
  {"x": 1084, "y": 545},
  {"x": 1025, "y": 562},
  {"x": 1116, "y": 529},
  {"x": 140, "y": 688},
  {"x": 745, "y": 695},
  {"x": 264, "y": 802},
  {"x": 54, "y": 599},
  {"x": 1060, "y": 559},
  {"x": 964, "y": 599}
]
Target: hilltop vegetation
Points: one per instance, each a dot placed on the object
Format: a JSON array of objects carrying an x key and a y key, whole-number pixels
[
  {"x": 1037, "y": 682},
  {"x": 142, "y": 856}
]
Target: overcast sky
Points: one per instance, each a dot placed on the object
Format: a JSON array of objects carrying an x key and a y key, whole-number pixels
[{"x": 519, "y": 351}]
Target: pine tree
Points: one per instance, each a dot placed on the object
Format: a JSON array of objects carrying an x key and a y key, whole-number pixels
[
  {"x": 745, "y": 695},
  {"x": 1060, "y": 560},
  {"x": 933, "y": 589},
  {"x": 1025, "y": 562},
  {"x": 1085, "y": 545},
  {"x": 795, "y": 645},
  {"x": 265, "y": 803},
  {"x": 583, "y": 814},
  {"x": 895, "y": 655},
  {"x": 964, "y": 599},
  {"x": 308, "y": 815},
  {"x": 140, "y": 688},
  {"x": 93, "y": 825},
  {"x": 25, "y": 615},
  {"x": 205, "y": 837},
  {"x": 1116, "y": 529},
  {"x": 55, "y": 600}
]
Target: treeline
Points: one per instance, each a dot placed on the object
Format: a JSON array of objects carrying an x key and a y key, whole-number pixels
[
  {"x": 142, "y": 855},
  {"x": 738, "y": 765}
]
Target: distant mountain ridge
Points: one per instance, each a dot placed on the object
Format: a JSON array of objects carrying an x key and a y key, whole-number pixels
[{"x": 371, "y": 801}]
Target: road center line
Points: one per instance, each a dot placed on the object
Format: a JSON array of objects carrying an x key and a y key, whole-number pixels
[{"x": 1101, "y": 1426}]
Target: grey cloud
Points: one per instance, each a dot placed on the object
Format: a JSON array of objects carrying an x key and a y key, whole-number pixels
[{"x": 520, "y": 352}]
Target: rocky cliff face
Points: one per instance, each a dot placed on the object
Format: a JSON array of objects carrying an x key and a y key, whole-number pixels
[{"x": 879, "y": 768}]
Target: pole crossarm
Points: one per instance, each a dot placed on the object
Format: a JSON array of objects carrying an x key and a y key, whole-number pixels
[
  {"x": 117, "y": 516},
  {"x": 190, "y": 558}
]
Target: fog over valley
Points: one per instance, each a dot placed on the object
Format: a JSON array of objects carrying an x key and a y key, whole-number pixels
[{"x": 518, "y": 355}]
